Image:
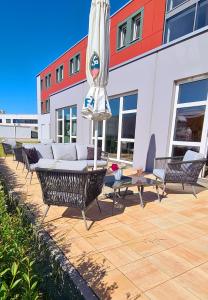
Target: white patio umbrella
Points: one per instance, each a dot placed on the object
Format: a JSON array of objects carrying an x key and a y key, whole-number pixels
[{"x": 96, "y": 106}]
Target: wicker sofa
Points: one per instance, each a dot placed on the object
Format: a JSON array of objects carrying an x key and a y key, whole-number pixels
[{"x": 58, "y": 156}]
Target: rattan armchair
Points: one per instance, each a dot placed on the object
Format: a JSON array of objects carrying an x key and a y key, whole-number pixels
[
  {"x": 76, "y": 189},
  {"x": 184, "y": 169},
  {"x": 18, "y": 156},
  {"x": 8, "y": 149},
  {"x": 29, "y": 167}
]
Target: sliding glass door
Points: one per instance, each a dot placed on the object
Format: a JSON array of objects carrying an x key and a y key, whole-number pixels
[
  {"x": 117, "y": 135},
  {"x": 190, "y": 120}
]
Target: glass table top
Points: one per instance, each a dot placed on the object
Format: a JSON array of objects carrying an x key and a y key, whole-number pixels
[{"x": 129, "y": 182}]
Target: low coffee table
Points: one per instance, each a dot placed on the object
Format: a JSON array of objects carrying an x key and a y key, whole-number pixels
[{"x": 127, "y": 182}]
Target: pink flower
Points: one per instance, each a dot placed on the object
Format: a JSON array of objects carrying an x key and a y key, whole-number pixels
[{"x": 114, "y": 167}]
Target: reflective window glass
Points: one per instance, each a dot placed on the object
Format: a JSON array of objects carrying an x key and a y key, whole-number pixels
[
  {"x": 127, "y": 150},
  {"x": 130, "y": 102},
  {"x": 128, "y": 126},
  {"x": 181, "y": 150},
  {"x": 202, "y": 14},
  {"x": 189, "y": 124},
  {"x": 180, "y": 25},
  {"x": 173, "y": 3},
  {"x": 193, "y": 91}
]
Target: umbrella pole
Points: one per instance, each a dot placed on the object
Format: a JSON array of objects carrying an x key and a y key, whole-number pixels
[{"x": 96, "y": 145}]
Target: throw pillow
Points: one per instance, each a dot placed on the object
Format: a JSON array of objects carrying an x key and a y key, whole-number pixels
[
  {"x": 32, "y": 155},
  {"x": 90, "y": 153}
]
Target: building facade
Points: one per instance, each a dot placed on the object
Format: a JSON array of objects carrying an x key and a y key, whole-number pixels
[
  {"x": 158, "y": 84},
  {"x": 18, "y": 126}
]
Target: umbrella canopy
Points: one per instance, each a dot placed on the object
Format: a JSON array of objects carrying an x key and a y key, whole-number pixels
[{"x": 96, "y": 106}]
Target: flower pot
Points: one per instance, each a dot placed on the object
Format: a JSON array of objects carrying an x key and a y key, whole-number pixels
[{"x": 118, "y": 174}]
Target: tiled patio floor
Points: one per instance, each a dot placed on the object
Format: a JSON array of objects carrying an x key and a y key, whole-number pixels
[{"x": 159, "y": 252}]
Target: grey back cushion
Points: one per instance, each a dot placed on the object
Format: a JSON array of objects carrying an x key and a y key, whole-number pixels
[
  {"x": 64, "y": 151},
  {"x": 82, "y": 151},
  {"x": 192, "y": 155},
  {"x": 44, "y": 151}
]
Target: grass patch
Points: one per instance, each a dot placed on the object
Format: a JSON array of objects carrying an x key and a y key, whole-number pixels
[{"x": 26, "y": 270}]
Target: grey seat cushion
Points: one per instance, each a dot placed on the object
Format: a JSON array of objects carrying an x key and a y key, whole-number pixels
[
  {"x": 192, "y": 155},
  {"x": 100, "y": 163},
  {"x": 64, "y": 151},
  {"x": 82, "y": 151},
  {"x": 159, "y": 173},
  {"x": 44, "y": 151},
  {"x": 61, "y": 165}
]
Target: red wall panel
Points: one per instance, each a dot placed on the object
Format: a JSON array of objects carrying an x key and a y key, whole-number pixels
[{"x": 152, "y": 33}]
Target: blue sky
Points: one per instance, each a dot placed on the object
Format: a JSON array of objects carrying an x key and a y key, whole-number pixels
[{"x": 32, "y": 34}]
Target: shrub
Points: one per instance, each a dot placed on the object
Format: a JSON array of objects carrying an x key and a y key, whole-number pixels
[{"x": 26, "y": 271}]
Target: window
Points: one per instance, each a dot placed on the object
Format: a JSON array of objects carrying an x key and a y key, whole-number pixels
[
  {"x": 48, "y": 106},
  {"x": 67, "y": 124},
  {"x": 122, "y": 35},
  {"x": 180, "y": 25},
  {"x": 25, "y": 121},
  {"x": 174, "y": 3},
  {"x": 117, "y": 135},
  {"x": 190, "y": 126},
  {"x": 8, "y": 121},
  {"x": 136, "y": 27},
  {"x": 74, "y": 64},
  {"x": 0, "y": 120},
  {"x": 130, "y": 30},
  {"x": 185, "y": 19},
  {"x": 60, "y": 74},
  {"x": 48, "y": 81},
  {"x": 42, "y": 107},
  {"x": 41, "y": 84},
  {"x": 202, "y": 15}
]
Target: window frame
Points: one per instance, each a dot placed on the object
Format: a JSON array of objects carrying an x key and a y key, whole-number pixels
[
  {"x": 58, "y": 78},
  {"x": 120, "y": 120},
  {"x": 176, "y": 11},
  {"x": 47, "y": 105},
  {"x": 203, "y": 144},
  {"x": 73, "y": 61},
  {"x": 61, "y": 136},
  {"x": 129, "y": 29},
  {"x": 48, "y": 81}
]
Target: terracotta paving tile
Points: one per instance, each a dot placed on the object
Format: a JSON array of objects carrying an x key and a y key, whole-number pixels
[
  {"x": 163, "y": 223},
  {"x": 195, "y": 213},
  {"x": 121, "y": 256},
  {"x": 194, "y": 281},
  {"x": 170, "y": 263},
  {"x": 124, "y": 232},
  {"x": 144, "y": 227},
  {"x": 76, "y": 247},
  {"x": 114, "y": 285},
  {"x": 182, "y": 233},
  {"x": 89, "y": 265},
  {"x": 162, "y": 238},
  {"x": 168, "y": 291},
  {"x": 126, "y": 219},
  {"x": 146, "y": 247},
  {"x": 199, "y": 247},
  {"x": 102, "y": 240},
  {"x": 189, "y": 254},
  {"x": 144, "y": 274}
]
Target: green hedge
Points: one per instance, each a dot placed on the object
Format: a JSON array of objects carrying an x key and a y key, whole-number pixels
[{"x": 26, "y": 271}]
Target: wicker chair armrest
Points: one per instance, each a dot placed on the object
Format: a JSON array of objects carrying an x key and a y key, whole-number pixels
[
  {"x": 175, "y": 163},
  {"x": 162, "y": 162}
]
